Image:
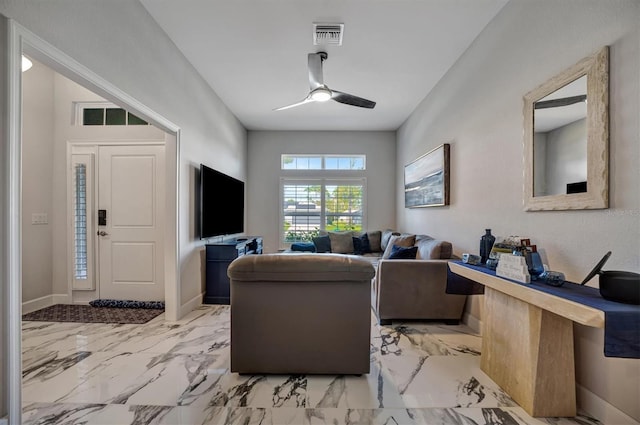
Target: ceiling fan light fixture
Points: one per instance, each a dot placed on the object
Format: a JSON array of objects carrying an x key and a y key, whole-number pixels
[{"x": 321, "y": 94}]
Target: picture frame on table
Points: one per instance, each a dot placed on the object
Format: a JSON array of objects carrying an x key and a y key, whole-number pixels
[{"x": 426, "y": 179}]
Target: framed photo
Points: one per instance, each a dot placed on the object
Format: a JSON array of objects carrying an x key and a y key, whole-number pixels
[{"x": 426, "y": 179}]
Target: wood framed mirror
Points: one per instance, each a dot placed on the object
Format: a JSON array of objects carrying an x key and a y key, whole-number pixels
[{"x": 566, "y": 138}]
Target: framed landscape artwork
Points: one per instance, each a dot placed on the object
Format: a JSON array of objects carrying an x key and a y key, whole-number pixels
[{"x": 426, "y": 180}]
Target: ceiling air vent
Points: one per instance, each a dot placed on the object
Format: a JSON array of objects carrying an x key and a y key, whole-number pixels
[{"x": 327, "y": 34}]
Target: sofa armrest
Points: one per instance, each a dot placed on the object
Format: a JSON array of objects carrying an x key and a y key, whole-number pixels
[{"x": 415, "y": 289}]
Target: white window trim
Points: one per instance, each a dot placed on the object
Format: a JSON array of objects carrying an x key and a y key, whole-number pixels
[{"x": 79, "y": 107}]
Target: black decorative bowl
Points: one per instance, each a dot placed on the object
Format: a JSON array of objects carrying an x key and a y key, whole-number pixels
[
  {"x": 623, "y": 287},
  {"x": 618, "y": 286}
]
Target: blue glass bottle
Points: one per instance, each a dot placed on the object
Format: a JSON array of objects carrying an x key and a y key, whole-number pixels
[{"x": 486, "y": 243}]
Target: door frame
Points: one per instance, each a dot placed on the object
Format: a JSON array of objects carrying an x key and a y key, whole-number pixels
[{"x": 22, "y": 40}]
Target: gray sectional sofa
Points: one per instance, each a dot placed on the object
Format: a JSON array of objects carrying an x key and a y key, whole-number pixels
[{"x": 410, "y": 283}]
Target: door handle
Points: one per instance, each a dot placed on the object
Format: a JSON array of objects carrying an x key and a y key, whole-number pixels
[{"x": 102, "y": 233}]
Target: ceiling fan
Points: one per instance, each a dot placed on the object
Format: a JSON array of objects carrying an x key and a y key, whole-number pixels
[{"x": 319, "y": 91}]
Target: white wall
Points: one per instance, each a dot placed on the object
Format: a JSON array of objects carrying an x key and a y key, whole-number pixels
[
  {"x": 37, "y": 174},
  {"x": 477, "y": 107},
  {"x": 263, "y": 184},
  {"x": 566, "y": 153}
]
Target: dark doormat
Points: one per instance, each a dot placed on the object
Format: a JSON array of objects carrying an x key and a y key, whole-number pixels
[{"x": 89, "y": 314}]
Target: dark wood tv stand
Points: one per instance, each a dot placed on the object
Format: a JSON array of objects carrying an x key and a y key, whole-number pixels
[{"x": 218, "y": 256}]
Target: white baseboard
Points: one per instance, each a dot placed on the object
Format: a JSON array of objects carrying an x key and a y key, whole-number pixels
[
  {"x": 592, "y": 405},
  {"x": 4, "y": 421},
  {"x": 473, "y": 322},
  {"x": 42, "y": 302},
  {"x": 191, "y": 305}
]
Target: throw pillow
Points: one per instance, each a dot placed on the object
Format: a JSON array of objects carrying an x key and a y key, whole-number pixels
[
  {"x": 385, "y": 237},
  {"x": 403, "y": 252},
  {"x": 341, "y": 242},
  {"x": 400, "y": 240},
  {"x": 322, "y": 243},
  {"x": 303, "y": 246},
  {"x": 375, "y": 237},
  {"x": 361, "y": 244}
]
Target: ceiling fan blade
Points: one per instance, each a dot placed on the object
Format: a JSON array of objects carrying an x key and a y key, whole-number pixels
[
  {"x": 349, "y": 99},
  {"x": 293, "y": 105},
  {"x": 315, "y": 69}
]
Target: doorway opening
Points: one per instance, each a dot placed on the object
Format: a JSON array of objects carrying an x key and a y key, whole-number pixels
[{"x": 23, "y": 42}]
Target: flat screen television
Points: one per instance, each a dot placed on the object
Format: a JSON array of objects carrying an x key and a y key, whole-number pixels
[{"x": 221, "y": 204}]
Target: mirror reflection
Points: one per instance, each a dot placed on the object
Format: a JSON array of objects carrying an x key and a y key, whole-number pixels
[{"x": 560, "y": 141}]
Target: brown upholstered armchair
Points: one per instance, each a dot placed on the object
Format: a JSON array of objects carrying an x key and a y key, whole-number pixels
[{"x": 416, "y": 288}]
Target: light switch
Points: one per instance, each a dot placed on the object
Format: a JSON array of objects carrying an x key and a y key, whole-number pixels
[{"x": 39, "y": 218}]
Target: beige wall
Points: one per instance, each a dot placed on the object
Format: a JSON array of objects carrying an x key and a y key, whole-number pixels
[
  {"x": 477, "y": 107},
  {"x": 37, "y": 180},
  {"x": 265, "y": 148}
]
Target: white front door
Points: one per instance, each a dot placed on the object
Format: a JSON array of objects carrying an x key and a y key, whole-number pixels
[{"x": 131, "y": 182}]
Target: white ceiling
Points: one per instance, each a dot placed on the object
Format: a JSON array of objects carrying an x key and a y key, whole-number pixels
[{"x": 253, "y": 53}]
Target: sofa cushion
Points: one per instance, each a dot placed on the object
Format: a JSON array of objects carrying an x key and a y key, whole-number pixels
[
  {"x": 361, "y": 244},
  {"x": 341, "y": 242},
  {"x": 404, "y": 240},
  {"x": 433, "y": 249},
  {"x": 375, "y": 237},
  {"x": 384, "y": 238},
  {"x": 403, "y": 252},
  {"x": 322, "y": 243},
  {"x": 300, "y": 267}
]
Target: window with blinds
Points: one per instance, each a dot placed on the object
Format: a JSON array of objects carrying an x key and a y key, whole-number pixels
[{"x": 312, "y": 205}]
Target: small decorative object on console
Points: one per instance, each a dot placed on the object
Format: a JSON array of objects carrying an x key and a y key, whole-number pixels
[
  {"x": 513, "y": 267},
  {"x": 552, "y": 278},
  {"x": 492, "y": 263},
  {"x": 471, "y": 259}
]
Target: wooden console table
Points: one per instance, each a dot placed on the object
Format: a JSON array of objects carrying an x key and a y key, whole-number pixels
[{"x": 527, "y": 342}]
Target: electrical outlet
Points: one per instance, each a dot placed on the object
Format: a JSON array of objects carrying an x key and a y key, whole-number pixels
[{"x": 39, "y": 218}]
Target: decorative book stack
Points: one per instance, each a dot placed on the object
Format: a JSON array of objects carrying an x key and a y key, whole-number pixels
[{"x": 513, "y": 267}]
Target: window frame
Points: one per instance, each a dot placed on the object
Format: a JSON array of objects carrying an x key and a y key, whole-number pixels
[
  {"x": 87, "y": 159},
  {"x": 79, "y": 108},
  {"x": 323, "y": 162}
]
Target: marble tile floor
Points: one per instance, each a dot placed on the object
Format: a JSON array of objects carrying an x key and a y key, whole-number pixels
[{"x": 178, "y": 373}]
